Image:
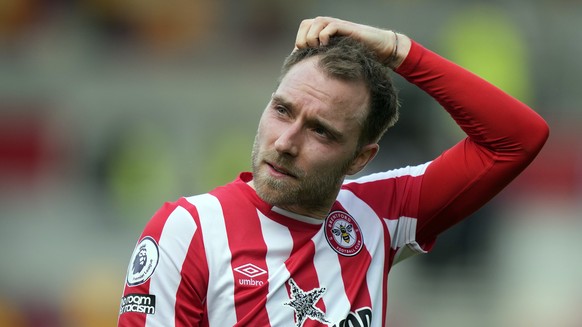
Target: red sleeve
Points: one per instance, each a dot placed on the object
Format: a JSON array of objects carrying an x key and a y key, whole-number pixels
[
  {"x": 504, "y": 136},
  {"x": 167, "y": 276}
]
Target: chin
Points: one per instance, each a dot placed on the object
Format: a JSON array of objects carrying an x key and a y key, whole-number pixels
[{"x": 273, "y": 191}]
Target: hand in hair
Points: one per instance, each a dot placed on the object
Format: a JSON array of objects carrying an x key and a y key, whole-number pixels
[{"x": 317, "y": 31}]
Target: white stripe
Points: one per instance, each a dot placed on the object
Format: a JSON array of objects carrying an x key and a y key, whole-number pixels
[
  {"x": 305, "y": 219},
  {"x": 413, "y": 171},
  {"x": 371, "y": 226},
  {"x": 392, "y": 225},
  {"x": 279, "y": 244},
  {"x": 403, "y": 236},
  {"x": 327, "y": 265},
  {"x": 403, "y": 233},
  {"x": 173, "y": 243},
  {"x": 220, "y": 298}
]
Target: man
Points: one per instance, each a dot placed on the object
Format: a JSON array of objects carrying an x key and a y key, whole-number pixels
[{"x": 293, "y": 244}]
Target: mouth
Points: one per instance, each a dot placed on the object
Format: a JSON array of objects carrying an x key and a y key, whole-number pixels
[{"x": 278, "y": 170}]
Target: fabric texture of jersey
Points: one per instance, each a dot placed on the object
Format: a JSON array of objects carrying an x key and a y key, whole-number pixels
[{"x": 226, "y": 258}]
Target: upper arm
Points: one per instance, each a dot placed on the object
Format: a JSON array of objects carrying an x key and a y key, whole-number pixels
[
  {"x": 460, "y": 181},
  {"x": 171, "y": 275}
]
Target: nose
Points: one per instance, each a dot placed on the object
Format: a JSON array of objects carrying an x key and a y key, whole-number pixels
[{"x": 288, "y": 141}]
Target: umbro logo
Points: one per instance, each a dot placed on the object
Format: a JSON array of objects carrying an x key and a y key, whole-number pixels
[{"x": 250, "y": 271}]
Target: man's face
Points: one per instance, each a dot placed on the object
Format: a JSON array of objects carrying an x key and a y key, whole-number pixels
[{"x": 307, "y": 139}]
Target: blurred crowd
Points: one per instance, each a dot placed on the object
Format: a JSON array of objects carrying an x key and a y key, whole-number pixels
[{"x": 109, "y": 108}]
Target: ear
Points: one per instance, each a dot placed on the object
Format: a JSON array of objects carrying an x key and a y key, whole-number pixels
[{"x": 366, "y": 154}]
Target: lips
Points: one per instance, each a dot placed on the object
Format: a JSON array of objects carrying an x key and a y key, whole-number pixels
[{"x": 281, "y": 170}]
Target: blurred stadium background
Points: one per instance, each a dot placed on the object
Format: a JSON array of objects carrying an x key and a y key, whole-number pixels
[{"x": 108, "y": 108}]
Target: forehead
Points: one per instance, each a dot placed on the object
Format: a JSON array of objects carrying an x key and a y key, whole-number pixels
[{"x": 307, "y": 85}]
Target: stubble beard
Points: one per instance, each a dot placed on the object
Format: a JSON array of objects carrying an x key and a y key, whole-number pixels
[{"x": 310, "y": 190}]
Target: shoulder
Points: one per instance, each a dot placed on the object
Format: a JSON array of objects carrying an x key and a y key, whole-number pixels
[
  {"x": 177, "y": 218},
  {"x": 387, "y": 193},
  {"x": 390, "y": 175}
]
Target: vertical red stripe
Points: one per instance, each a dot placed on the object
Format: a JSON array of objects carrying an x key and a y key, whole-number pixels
[
  {"x": 355, "y": 269},
  {"x": 153, "y": 229},
  {"x": 191, "y": 293},
  {"x": 247, "y": 249}
]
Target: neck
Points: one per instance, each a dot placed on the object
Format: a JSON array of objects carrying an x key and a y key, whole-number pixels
[
  {"x": 312, "y": 211},
  {"x": 317, "y": 213}
]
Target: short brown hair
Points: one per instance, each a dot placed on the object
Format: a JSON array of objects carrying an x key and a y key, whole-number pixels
[{"x": 347, "y": 59}]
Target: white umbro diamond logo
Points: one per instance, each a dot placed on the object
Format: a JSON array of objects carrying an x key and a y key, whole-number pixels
[{"x": 250, "y": 270}]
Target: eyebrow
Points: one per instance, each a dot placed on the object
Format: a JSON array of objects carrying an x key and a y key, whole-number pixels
[
  {"x": 282, "y": 101},
  {"x": 315, "y": 121}
]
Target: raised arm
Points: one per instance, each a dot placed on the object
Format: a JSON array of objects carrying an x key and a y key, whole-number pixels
[
  {"x": 503, "y": 137},
  {"x": 503, "y": 134}
]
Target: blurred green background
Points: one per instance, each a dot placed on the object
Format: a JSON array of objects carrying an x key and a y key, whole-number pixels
[{"x": 110, "y": 108}]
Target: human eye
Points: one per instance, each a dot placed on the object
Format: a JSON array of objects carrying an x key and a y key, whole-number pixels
[
  {"x": 322, "y": 132},
  {"x": 280, "y": 109},
  {"x": 325, "y": 132}
]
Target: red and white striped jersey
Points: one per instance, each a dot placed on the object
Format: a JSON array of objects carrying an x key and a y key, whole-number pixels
[{"x": 226, "y": 258}]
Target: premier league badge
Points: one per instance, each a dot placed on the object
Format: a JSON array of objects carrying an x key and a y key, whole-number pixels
[
  {"x": 343, "y": 233},
  {"x": 144, "y": 261}
]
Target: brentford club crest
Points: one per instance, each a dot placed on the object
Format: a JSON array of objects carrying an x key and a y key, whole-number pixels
[{"x": 343, "y": 233}]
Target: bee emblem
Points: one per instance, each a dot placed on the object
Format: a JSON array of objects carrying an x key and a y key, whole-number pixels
[
  {"x": 343, "y": 234},
  {"x": 343, "y": 231}
]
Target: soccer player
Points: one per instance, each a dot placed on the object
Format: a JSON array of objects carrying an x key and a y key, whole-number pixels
[{"x": 295, "y": 244}]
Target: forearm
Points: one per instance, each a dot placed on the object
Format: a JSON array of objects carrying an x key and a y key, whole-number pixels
[
  {"x": 489, "y": 116},
  {"x": 504, "y": 136}
]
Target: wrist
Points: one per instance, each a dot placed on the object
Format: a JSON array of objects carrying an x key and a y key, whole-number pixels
[{"x": 400, "y": 47}]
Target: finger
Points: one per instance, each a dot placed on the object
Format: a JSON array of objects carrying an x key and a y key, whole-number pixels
[
  {"x": 301, "y": 38},
  {"x": 327, "y": 32},
  {"x": 336, "y": 27},
  {"x": 312, "y": 36}
]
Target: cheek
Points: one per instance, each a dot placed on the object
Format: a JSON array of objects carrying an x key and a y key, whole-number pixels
[
  {"x": 324, "y": 161},
  {"x": 262, "y": 136},
  {"x": 262, "y": 130},
  {"x": 268, "y": 131},
  {"x": 318, "y": 158}
]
